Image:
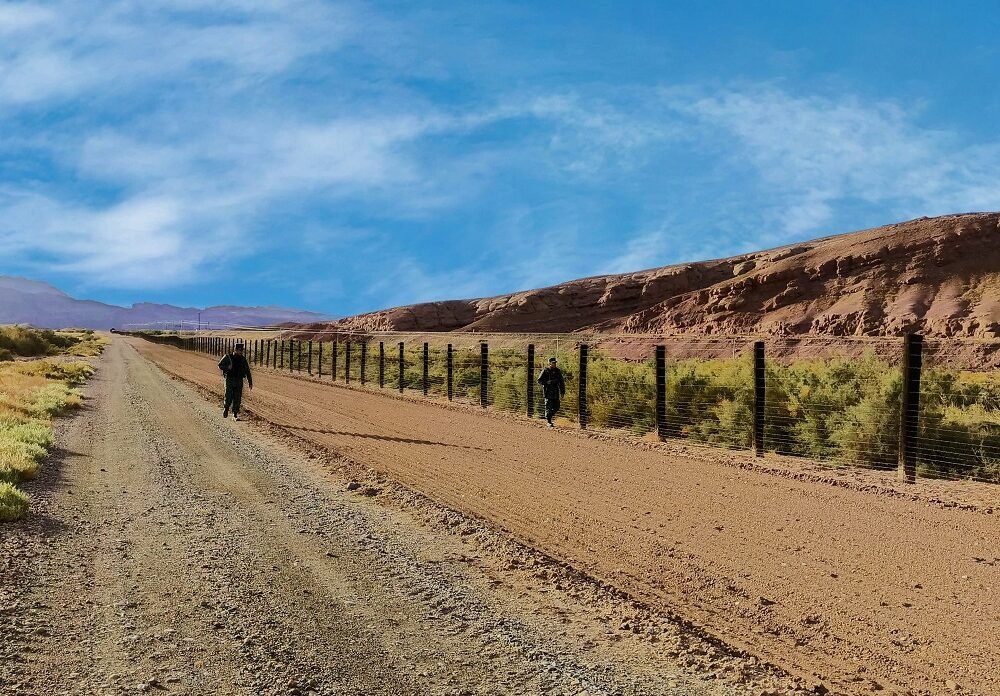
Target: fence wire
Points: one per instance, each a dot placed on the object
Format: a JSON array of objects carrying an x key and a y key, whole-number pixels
[{"x": 836, "y": 400}]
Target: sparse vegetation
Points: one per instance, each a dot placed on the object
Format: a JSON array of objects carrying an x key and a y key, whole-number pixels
[
  {"x": 26, "y": 342},
  {"x": 13, "y": 502},
  {"x": 840, "y": 410},
  {"x": 31, "y": 393}
]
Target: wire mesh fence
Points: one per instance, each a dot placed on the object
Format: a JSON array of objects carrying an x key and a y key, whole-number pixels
[{"x": 841, "y": 400}]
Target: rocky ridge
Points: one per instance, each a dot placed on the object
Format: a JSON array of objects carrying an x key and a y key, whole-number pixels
[{"x": 939, "y": 276}]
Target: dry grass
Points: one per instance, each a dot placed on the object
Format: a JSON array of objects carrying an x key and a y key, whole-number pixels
[
  {"x": 13, "y": 502},
  {"x": 31, "y": 393}
]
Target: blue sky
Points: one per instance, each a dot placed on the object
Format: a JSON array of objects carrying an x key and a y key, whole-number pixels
[{"x": 349, "y": 156}]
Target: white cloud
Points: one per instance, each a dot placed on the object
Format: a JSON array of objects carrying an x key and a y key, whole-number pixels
[
  {"x": 69, "y": 48},
  {"x": 813, "y": 153}
]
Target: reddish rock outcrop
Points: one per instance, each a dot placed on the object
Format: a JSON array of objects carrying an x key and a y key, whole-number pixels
[{"x": 939, "y": 275}]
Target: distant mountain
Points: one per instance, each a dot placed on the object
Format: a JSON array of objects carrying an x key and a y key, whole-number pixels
[
  {"x": 939, "y": 276},
  {"x": 24, "y": 301}
]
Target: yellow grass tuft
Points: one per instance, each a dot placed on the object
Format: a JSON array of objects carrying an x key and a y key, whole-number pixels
[
  {"x": 31, "y": 393},
  {"x": 13, "y": 502}
]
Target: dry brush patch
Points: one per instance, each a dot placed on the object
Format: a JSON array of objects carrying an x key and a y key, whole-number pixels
[{"x": 31, "y": 394}]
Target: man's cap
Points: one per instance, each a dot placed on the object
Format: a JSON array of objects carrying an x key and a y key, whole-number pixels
[
  {"x": 552, "y": 359},
  {"x": 240, "y": 345}
]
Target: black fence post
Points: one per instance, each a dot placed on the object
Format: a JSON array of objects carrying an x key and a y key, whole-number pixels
[
  {"x": 530, "y": 384},
  {"x": 909, "y": 423},
  {"x": 281, "y": 363},
  {"x": 426, "y": 380},
  {"x": 364, "y": 360},
  {"x": 309, "y": 362},
  {"x": 381, "y": 364},
  {"x": 583, "y": 386},
  {"x": 333, "y": 358},
  {"x": 298, "y": 363},
  {"x": 661, "y": 392},
  {"x": 758, "y": 398},
  {"x": 347, "y": 361},
  {"x": 484, "y": 374},
  {"x": 402, "y": 367},
  {"x": 451, "y": 372},
  {"x": 267, "y": 353},
  {"x": 319, "y": 361}
]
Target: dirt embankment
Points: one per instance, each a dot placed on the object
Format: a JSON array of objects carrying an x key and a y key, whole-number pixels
[
  {"x": 865, "y": 592},
  {"x": 940, "y": 276}
]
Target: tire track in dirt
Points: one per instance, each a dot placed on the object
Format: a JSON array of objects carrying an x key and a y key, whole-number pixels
[
  {"x": 170, "y": 551},
  {"x": 864, "y": 592}
]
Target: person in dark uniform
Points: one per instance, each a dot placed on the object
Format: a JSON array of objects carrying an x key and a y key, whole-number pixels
[
  {"x": 235, "y": 369},
  {"x": 553, "y": 389}
]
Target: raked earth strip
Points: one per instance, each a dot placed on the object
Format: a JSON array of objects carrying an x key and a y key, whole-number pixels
[
  {"x": 169, "y": 551},
  {"x": 856, "y": 590}
]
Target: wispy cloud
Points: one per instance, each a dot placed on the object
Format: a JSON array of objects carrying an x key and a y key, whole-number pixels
[
  {"x": 153, "y": 144},
  {"x": 811, "y": 154}
]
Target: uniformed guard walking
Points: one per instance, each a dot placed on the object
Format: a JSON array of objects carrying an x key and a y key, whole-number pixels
[
  {"x": 553, "y": 389},
  {"x": 235, "y": 369}
]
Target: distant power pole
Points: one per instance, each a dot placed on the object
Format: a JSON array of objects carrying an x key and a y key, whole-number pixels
[{"x": 199, "y": 322}]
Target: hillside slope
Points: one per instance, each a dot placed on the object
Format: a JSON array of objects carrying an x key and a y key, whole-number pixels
[{"x": 939, "y": 275}]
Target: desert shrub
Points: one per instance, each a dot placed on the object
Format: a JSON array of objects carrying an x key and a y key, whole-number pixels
[
  {"x": 27, "y": 342},
  {"x": 13, "y": 502},
  {"x": 19, "y": 460},
  {"x": 622, "y": 394},
  {"x": 30, "y": 394}
]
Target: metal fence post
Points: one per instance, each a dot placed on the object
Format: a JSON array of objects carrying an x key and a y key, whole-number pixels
[
  {"x": 758, "y": 398},
  {"x": 298, "y": 363},
  {"x": 426, "y": 380},
  {"x": 402, "y": 367},
  {"x": 909, "y": 423},
  {"x": 381, "y": 364},
  {"x": 333, "y": 359},
  {"x": 451, "y": 372},
  {"x": 281, "y": 362},
  {"x": 530, "y": 384},
  {"x": 484, "y": 374},
  {"x": 661, "y": 392},
  {"x": 364, "y": 360},
  {"x": 319, "y": 361},
  {"x": 309, "y": 362},
  {"x": 582, "y": 402},
  {"x": 347, "y": 361}
]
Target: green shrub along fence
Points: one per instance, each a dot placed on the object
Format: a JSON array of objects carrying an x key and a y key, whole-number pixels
[{"x": 884, "y": 404}]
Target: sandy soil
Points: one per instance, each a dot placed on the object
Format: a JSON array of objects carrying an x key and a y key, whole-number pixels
[
  {"x": 863, "y": 591},
  {"x": 169, "y": 551}
]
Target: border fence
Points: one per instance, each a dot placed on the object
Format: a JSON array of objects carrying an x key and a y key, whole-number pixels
[{"x": 925, "y": 407}]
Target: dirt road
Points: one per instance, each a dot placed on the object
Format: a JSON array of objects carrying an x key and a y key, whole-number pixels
[
  {"x": 862, "y": 591},
  {"x": 169, "y": 551}
]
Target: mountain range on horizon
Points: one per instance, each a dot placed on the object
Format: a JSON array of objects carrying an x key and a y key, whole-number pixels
[{"x": 34, "y": 302}]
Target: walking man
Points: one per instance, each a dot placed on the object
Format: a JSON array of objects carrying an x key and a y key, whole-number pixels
[
  {"x": 235, "y": 368},
  {"x": 553, "y": 389}
]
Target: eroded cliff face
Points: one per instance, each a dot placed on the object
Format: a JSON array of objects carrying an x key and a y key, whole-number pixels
[{"x": 940, "y": 276}]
